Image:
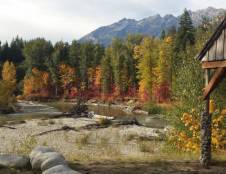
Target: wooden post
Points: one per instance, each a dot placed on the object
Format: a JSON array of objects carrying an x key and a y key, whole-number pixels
[{"x": 206, "y": 131}]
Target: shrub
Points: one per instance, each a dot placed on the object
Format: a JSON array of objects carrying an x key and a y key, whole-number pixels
[
  {"x": 79, "y": 108},
  {"x": 153, "y": 108}
]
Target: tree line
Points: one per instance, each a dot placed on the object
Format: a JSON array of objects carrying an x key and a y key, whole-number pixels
[{"x": 143, "y": 67}]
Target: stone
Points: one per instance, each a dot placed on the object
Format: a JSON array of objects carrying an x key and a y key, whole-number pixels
[
  {"x": 42, "y": 149},
  {"x": 14, "y": 161},
  {"x": 51, "y": 162},
  {"x": 68, "y": 172},
  {"x": 60, "y": 169},
  {"x": 37, "y": 160}
]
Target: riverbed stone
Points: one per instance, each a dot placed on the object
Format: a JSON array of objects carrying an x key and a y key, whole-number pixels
[
  {"x": 60, "y": 169},
  {"x": 40, "y": 157},
  {"x": 40, "y": 149},
  {"x": 51, "y": 162},
  {"x": 14, "y": 161}
]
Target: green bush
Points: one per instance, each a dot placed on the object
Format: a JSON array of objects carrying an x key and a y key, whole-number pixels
[{"x": 153, "y": 108}]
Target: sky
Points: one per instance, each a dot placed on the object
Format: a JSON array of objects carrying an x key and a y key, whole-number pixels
[{"x": 71, "y": 19}]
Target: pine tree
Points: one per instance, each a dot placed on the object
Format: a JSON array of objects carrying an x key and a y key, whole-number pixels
[
  {"x": 106, "y": 73},
  {"x": 120, "y": 66},
  {"x": 163, "y": 35},
  {"x": 186, "y": 32}
]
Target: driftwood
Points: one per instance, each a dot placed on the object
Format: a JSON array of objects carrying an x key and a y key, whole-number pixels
[
  {"x": 126, "y": 122},
  {"x": 9, "y": 127},
  {"x": 93, "y": 126},
  {"x": 64, "y": 128}
]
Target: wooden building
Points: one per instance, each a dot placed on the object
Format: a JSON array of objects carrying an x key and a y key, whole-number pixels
[{"x": 213, "y": 60}]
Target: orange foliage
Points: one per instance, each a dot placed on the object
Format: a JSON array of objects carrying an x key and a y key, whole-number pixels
[
  {"x": 37, "y": 82},
  {"x": 67, "y": 77}
]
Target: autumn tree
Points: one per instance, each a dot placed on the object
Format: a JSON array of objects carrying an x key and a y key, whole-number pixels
[
  {"x": 7, "y": 84},
  {"x": 37, "y": 83},
  {"x": 146, "y": 54},
  {"x": 9, "y": 73},
  {"x": 67, "y": 77},
  {"x": 164, "y": 70}
]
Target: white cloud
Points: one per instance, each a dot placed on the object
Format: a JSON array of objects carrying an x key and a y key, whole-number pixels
[{"x": 71, "y": 19}]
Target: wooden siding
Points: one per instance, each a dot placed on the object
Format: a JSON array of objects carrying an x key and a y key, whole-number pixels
[{"x": 218, "y": 50}]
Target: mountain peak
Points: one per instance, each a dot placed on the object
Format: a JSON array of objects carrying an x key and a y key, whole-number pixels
[{"x": 152, "y": 25}]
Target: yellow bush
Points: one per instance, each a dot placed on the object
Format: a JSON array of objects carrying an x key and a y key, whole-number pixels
[{"x": 189, "y": 139}]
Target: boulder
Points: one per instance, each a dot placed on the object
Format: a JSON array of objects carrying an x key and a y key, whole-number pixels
[
  {"x": 40, "y": 149},
  {"x": 68, "y": 172},
  {"x": 60, "y": 169},
  {"x": 51, "y": 162},
  {"x": 14, "y": 161},
  {"x": 40, "y": 157}
]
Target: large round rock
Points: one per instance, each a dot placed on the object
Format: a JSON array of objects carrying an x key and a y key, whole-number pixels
[
  {"x": 40, "y": 157},
  {"x": 14, "y": 161},
  {"x": 60, "y": 169},
  {"x": 40, "y": 149},
  {"x": 51, "y": 162}
]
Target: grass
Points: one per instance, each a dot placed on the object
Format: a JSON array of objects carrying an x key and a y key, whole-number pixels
[
  {"x": 82, "y": 140},
  {"x": 23, "y": 147}
]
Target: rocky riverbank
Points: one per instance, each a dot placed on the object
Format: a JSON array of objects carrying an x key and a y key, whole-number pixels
[
  {"x": 84, "y": 135},
  {"x": 42, "y": 159}
]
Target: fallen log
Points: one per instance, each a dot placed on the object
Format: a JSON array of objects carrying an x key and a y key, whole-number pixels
[
  {"x": 64, "y": 128},
  {"x": 9, "y": 127}
]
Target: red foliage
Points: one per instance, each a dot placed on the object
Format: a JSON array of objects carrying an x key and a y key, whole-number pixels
[{"x": 162, "y": 93}]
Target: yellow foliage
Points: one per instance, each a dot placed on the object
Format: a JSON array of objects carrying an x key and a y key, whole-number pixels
[
  {"x": 146, "y": 54},
  {"x": 9, "y": 75},
  {"x": 189, "y": 139},
  {"x": 7, "y": 84},
  {"x": 9, "y": 72}
]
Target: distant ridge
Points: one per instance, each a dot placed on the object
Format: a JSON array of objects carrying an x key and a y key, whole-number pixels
[{"x": 151, "y": 26}]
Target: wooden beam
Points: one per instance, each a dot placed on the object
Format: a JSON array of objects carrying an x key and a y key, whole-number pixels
[
  {"x": 214, "y": 64},
  {"x": 215, "y": 80}
]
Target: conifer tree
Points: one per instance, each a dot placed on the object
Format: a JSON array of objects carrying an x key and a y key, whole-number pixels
[
  {"x": 186, "y": 32},
  {"x": 106, "y": 73}
]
